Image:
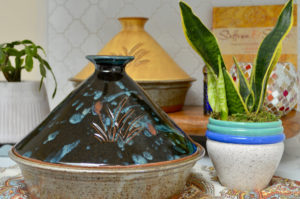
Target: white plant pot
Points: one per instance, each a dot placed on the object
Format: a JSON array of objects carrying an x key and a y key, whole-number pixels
[
  {"x": 22, "y": 107},
  {"x": 244, "y": 166}
]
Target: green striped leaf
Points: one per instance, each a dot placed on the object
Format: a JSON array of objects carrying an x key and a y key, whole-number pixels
[
  {"x": 205, "y": 44},
  {"x": 268, "y": 54}
]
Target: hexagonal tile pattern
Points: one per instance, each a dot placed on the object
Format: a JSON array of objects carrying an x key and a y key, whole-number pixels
[
  {"x": 92, "y": 45},
  {"x": 60, "y": 19},
  {"x": 147, "y": 7},
  {"x": 77, "y": 7},
  {"x": 93, "y": 19},
  {"x": 108, "y": 30},
  {"x": 59, "y": 47},
  {"x": 111, "y": 8},
  {"x": 76, "y": 33}
]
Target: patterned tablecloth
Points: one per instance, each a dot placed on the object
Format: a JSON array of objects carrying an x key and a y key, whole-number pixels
[{"x": 203, "y": 183}]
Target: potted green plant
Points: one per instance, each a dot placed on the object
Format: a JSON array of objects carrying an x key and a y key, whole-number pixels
[
  {"x": 244, "y": 142},
  {"x": 23, "y": 104}
]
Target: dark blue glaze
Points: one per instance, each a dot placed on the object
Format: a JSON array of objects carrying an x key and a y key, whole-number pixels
[
  {"x": 238, "y": 139},
  {"x": 107, "y": 120}
]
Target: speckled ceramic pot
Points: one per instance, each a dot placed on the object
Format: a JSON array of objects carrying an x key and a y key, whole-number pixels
[
  {"x": 107, "y": 139},
  {"x": 245, "y": 155}
]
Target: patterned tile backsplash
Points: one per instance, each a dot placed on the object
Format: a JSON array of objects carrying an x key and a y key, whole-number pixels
[{"x": 77, "y": 28}]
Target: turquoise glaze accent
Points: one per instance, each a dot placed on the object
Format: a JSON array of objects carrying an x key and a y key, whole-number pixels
[
  {"x": 107, "y": 120},
  {"x": 51, "y": 137},
  {"x": 244, "y": 128},
  {"x": 245, "y": 132}
]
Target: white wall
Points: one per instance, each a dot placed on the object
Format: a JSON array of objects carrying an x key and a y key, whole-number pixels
[{"x": 24, "y": 20}]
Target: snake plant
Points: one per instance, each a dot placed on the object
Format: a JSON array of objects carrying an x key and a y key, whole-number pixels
[{"x": 224, "y": 96}]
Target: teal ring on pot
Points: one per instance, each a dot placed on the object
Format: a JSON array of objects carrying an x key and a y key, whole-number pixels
[
  {"x": 234, "y": 139},
  {"x": 245, "y": 128}
]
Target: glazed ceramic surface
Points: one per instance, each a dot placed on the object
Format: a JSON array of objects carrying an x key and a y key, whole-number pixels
[
  {"x": 106, "y": 140},
  {"x": 108, "y": 120},
  {"x": 152, "y": 62},
  {"x": 245, "y": 155},
  {"x": 245, "y": 167},
  {"x": 168, "y": 94},
  {"x": 245, "y": 132}
]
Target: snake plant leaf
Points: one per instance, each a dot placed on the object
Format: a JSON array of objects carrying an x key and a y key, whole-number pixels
[
  {"x": 243, "y": 85},
  {"x": 206, "y": 45},
  {"x": 222, "y": 93},
  {"x": 212, "y": 89},
  {"x": 235, "y": 101},
  {"x": 200, "y": 38},
  {"x": 268, "y": 54}
]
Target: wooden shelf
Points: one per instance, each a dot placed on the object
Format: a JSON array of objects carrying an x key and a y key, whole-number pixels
[{"x": 192, "y": 120}]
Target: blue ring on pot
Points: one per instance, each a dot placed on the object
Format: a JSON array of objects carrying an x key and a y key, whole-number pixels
[{"x": 236, "y": 139}]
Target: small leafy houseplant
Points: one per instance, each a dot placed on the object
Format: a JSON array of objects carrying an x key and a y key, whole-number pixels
[
  {"x": 245, "y": 154},
  {"x": 24, "y": 53}
]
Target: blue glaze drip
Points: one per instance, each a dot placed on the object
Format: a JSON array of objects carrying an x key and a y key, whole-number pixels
[
  {"x": 61, "y": 153},
  {"x": 79, "y": 106},
  {"x": 113, "y": 97},
  {"x": 147, "y": 155},
  {"x": 147, "y": 133},
  {"x": 88, "y": 148},
  {"x": 170, "y": 157},
  {"x": 86, "y": 94},
  {"x": 114, "y": 103},
  {"x": 86, "y": 111},
  {"x": 156, "y": 119},
  {"x": 128, "y": 108},
  {"x": 76, "y": 118},
  {"x": 75, "y": 103},
  {"x": 27, "y": 154},
  {"x": 120, "y": 154},
  {"x": 120, "y": 85},
  {"x": 138, "y": 159},
  {"x": 97, "y": 95},
  {"x": 130, "y": 143},
  {"x": 180, "y": 150},
  {"x": 121, "y": 144},
  {"x": 176, "y": 157},
  {"x": 51, "y": 137}
]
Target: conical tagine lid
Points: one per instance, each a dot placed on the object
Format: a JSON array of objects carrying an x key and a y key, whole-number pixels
[
  {"x": 151, "y": 63},
  {"x": 107, "y": 120}
]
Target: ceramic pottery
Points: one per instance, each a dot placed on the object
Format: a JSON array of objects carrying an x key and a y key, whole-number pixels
[
  {"x": 106, "y": 139},
  {"x": 165, "y": 82},
  {"x": 245, "y": 155},
  {"x": 282, "y": 88},
  {"x": 17, "y": 101}
]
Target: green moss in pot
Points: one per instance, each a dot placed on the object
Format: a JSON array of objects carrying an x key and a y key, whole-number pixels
[{"x": 245, "y": 143}]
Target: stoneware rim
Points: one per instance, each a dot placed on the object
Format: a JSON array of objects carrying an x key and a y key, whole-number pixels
[{"x": 157, "y": 166}]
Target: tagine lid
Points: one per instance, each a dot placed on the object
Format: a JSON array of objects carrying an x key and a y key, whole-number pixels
[
  {"x": 151, "y": 63},
  {"x": 107, "y": 120}
]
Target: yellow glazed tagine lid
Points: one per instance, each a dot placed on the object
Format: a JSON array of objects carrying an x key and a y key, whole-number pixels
[{"x": 151, "y": 62}]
